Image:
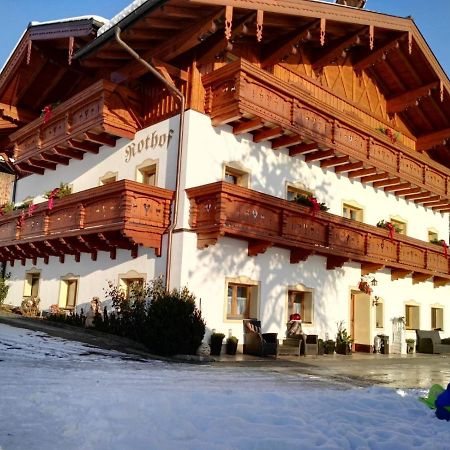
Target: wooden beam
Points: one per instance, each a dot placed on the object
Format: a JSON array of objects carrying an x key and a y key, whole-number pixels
[
  {"x": 350, "y": 166},
  {"x": 397, "y": 187},
  {"x": 401, "y": 102},
  {"x": 246, "y": 127},
  {"x": 442, "y": 208},
  {"x": 301, "y": 149},
  {"x": 55, "y": 158},
  {"x": 362, "y": 172},
  {"x": 255, "y": 247},
  {"x": 102, "y": 139},
  {"x": 435, "y": 203},
  {"x": 318, "y": 156},
  {"x": 428, "y": 141},
  {"x": 415, "y": 190},
  {"x": 367, "y": 268},
  {"x": 336, "y": 262},
  {"x": 42, "y": 163},
  {"x": 170, "y": 69},
  {"x": 418, "y": 277},
  {"x": 397, "y": 274},
  {"x": 335, "y": 162},
  {"x": 388, "y": 182},
  {"x": 180, "y": 43},
  {"x": 424, "y": 194},
  {"x": 84, "y": 146},
  {"x": 287, "y": 141},
  {"x": 377, "y": 55},
  {"x": 268, "y": 134},
  {"x": 299, "y": 254},
  {"x": 430, "y": 199},
  {"x": 440, "y": 281},
  {"x": 283, "y": 46},
  {"x": 29, "y": 168},
  {"x": 69, "y": 153},
  {"x": 338, "y": 49}
]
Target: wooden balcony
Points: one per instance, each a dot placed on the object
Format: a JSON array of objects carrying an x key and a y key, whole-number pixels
[
  {"x": 223, "y": 209},
  {"x": 96, "y": 116},
  {"x": 124, "y": 214},
  {"x": 254, "y": 101}
]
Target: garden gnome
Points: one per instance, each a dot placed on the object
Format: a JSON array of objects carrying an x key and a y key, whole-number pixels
[{"x": 443, "y": 404}]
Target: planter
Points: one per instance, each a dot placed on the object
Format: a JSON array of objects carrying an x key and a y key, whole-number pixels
[
  {"x": 231, "y": 347},
  {"x": 329, "y": 347},
  {"x": 216, "y": 343},
  {"x": 343, "y": 348},
  {"x": 410, "y": 346}
]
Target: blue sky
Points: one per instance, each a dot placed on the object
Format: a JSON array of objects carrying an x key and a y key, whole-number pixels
[{"x": 432, "y": 18}]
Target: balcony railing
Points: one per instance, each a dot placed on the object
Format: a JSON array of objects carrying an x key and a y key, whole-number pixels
[
  {"x": 252, "y": 100},
  {"x": 220, "y": 209},
  {"x": 97, "y": 116},
  {"x": 123, "y": 214}
]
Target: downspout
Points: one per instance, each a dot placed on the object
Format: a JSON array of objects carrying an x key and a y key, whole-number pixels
[{"x": 180, "y": 95}]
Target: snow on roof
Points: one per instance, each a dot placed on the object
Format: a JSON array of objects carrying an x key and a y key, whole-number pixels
[
  {"x": 69, "y": 19},
  {"x": 121, "y": 15}
]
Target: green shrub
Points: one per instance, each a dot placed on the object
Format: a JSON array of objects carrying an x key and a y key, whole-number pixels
[
  {"x": 4, "y": 287},
  {"x": 174, "y": 324}
]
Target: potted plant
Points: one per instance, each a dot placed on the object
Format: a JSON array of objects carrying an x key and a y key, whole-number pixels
[
  {"x": 343, "y": 340},
  {"x": 329, "y": 346},
  {"x": 410, "y": 344},
  {"x": 232, "y": 343},
  {"x": 216, "y": 343}
]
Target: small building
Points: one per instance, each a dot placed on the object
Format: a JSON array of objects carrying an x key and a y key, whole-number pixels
[{"x": 274, "y": 157}]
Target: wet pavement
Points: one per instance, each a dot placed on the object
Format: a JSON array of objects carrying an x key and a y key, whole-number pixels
[{"x": 361, "y": 369}]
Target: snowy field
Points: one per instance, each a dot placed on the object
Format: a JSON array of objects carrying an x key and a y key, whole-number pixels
[{"x": 64, "y": 395}]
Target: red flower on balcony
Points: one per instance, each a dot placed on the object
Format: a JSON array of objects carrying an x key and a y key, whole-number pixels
[{"x": 394, "y": 136}]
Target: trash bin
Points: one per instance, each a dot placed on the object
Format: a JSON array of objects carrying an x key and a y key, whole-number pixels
[{"x": 384, "y": 344}]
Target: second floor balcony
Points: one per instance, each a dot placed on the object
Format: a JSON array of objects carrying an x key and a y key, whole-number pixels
[
  {"x": 97, "y": 116},
  {"x": 120, "y": 215},
  {"x": 252, "y": 100},
  {"x": 223, "y": 209}
]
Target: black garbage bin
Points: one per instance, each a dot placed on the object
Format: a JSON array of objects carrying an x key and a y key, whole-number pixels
[{"x": 384, "y": 344}]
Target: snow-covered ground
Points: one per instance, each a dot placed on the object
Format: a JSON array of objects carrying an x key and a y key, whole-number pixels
[{"x": 57, "y": 394}]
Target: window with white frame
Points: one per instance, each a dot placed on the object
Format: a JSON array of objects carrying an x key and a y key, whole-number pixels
[
  {"x": 294, "y": 190},
  {"x": 379, "y": 314},
  {"x": 351, "y": 211},
  {"x": 437, "y": 318},
  {"x": 32, "y": 282},
  {"x": 130, "y": 281},
  {"x": 68, "y": 292},
  {"x": 147, "y": 172},
  {"x": 399, "y": 225},
  {"x": 432, "y": 236},
  {"x": 241, "y": 299},
  {"x": 300, "y": 302},
  {"x": 235, "y": 173},
  {"x": 412, "y": 316},
  {"x": 108, "y": 178}
]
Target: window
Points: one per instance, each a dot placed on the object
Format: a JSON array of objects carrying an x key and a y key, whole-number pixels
[
  {"x": 131, "y": 280},
  {"x": 147, "y": 172},
  {"x": 109, "y": 177},
  {"x": 300, "y": 302},
  {"x": 400, "y": 225},
  {"x": 70, "y": 289},
  {"x": 31, "y": 288},
  {"x": 352, "y": 212},
  {"x": 235, "y": 174},
  {"x": 379, "y": 313},
  {"x": 432, "y": 236},
  {"x": 241, "y": 299},
  {"x": 293, "y": 191},
  {"x": 412, "y": 317},
  {"x": 437, "y": 318}
]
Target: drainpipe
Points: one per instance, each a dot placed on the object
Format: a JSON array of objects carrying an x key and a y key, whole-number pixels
[{"x": 182, "y": 99}]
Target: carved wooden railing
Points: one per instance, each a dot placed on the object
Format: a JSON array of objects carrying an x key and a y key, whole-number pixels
[
  {"x": 123, "y": 214},
  {"x": 249, "y": 98},
  {"x": 221, "y": 208},
  {"x": 96, "y": 116}
]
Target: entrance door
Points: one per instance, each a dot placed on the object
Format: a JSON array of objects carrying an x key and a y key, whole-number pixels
[{"x": 360, "y": 308}]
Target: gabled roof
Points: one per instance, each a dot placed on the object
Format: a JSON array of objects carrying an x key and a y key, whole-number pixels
[{"x": 38, "y": 71}]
